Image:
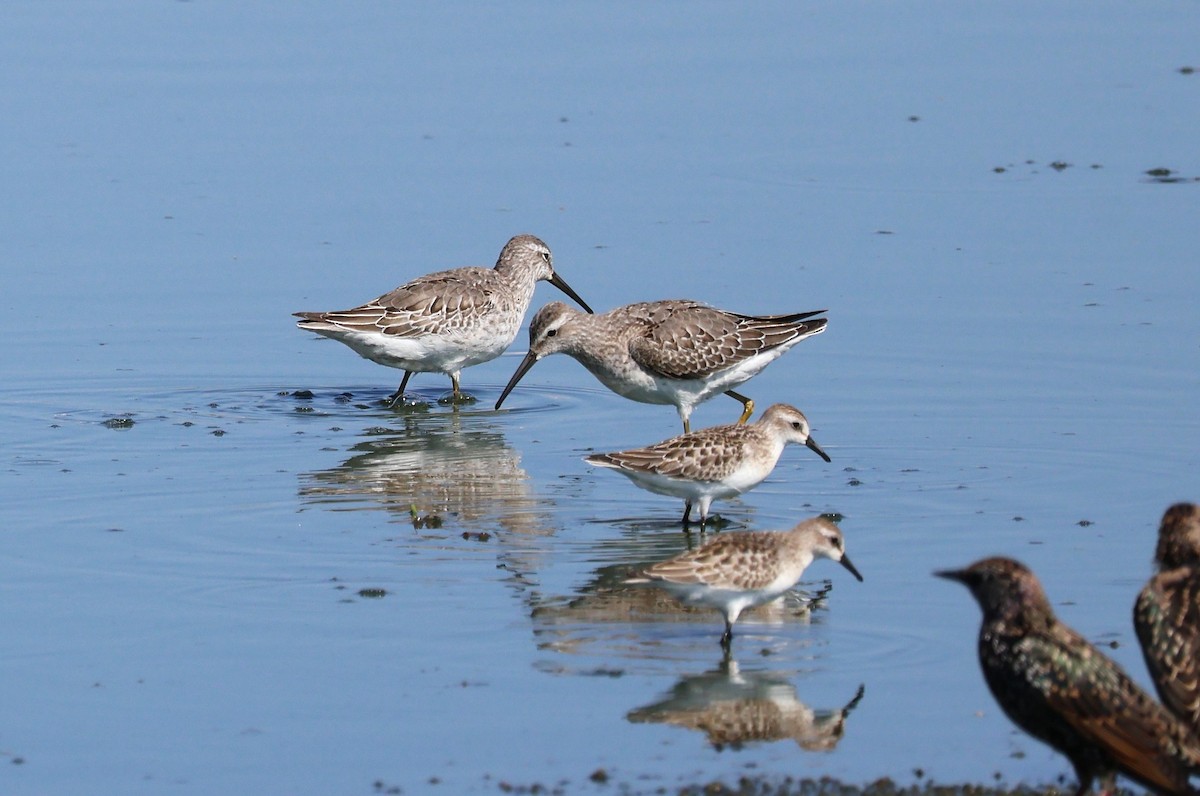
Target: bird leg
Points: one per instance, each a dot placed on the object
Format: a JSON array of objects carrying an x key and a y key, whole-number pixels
[
  {"x": 687, "y": 514},
  {"x": 747, "y": 405},
  {"x": 727, "y": 636},
  {"x": 398, "y": 395},
  {"x": 457, "y": 396},
  {"x": 1085, "y": 776}
]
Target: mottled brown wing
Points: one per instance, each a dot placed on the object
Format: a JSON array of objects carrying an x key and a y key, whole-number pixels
[
  {"x": 1167, "y": 620},
  {"x": 428, "y": 305},
  {"x": 689, "y": 340},
  {"x": 737, "y": 560},
  {"x": 1099, "y": 701},
  {"x": 706, "y": 455}
]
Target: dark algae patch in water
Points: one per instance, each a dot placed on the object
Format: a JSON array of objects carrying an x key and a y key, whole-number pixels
[
  {"x": 1167, "y": 176},
  {"x": 609, "y": 782}
]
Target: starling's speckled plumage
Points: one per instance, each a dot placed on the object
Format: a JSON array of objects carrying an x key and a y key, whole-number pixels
[
  {"x": 1167, "y": 614},
  {"x": 1060, "y": 689}
]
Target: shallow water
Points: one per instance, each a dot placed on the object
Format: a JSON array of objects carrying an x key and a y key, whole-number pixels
[{"x": 215, "y": 584}]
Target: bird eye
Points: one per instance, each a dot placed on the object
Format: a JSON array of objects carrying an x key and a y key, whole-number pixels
[
  {"x": 796, "y": 425},
  {"x": 551, "y": 332},
  {"x": 545, "y": 256}
]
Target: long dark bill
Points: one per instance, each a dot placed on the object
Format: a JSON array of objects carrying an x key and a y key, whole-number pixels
[
  {"x": 562, "y": 285},
  {"x": 845, "y": 562},
  {"x": 815, "y": 448},
  {"x": 952, "y": 574},
  {"x": 528, "y": 362}
]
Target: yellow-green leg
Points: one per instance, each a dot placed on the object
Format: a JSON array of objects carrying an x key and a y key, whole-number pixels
[{"x": 747, "y": 405}]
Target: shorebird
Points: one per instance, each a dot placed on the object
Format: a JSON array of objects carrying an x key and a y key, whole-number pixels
[
  {"x": 1167, "y": 614},
  {"x": 1063, "y": 691},
  {"x": 742, "y": 569},
  {"x": 445, "y": 321},
  {"x": 716, "y": 462},
  {"x": 677, "y": 351}
]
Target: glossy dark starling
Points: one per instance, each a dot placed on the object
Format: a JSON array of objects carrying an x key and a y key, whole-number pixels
[
  {"x": 1061, "y": 690},
  {"x": 1167, "y": 614}
]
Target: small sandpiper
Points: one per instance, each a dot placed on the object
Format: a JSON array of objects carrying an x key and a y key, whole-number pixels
[
  {"x": 1167, "y": 614},
  {"x": 742, "y": 569},
  {"x": 446, "y": 321},
  {"x": 678, "y": 351},
  {"x": 716, "y": 462},
  {"x": 1060, "y": 689}
]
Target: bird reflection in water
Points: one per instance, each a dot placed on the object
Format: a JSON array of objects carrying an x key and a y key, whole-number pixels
[
  {"x": 734, "y": 707},
  {"x": 607, "y": 612},
  {"x": 436, "y": 471}
]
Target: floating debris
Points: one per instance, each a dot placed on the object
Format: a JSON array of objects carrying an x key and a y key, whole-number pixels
[
  {"x": 1167, "y": 176},
  {"x": 372, "y": 594},
  {"x": 424, "y": 520},
  {"x": 120, "y": 421}
]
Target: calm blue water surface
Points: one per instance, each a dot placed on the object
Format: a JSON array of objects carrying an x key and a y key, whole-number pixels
[{"x": 192, "y": 601}]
